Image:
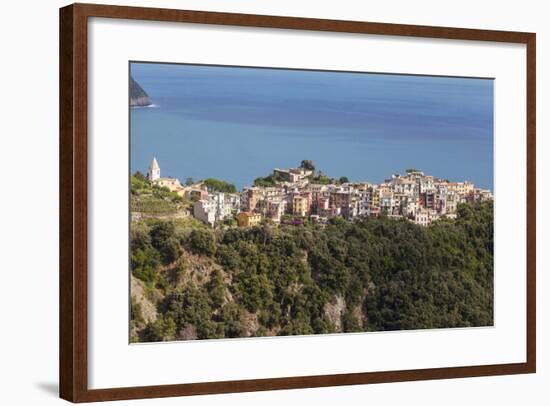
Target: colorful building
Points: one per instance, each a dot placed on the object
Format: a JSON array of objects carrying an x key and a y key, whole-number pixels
[
  {"x": 300, "y": 205},
  {"x": 248, "y": 219}
]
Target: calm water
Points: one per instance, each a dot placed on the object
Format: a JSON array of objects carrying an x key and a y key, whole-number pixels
[{"x": 237, "y": 124}]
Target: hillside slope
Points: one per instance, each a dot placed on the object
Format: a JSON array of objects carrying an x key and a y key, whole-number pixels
[{"x": 371, "y": 275}]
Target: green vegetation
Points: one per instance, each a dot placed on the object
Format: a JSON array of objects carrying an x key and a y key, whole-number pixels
[
  {"x": 153, "y": 207},
  {"x": 162, "y": 329},
  {"x": 308, "y": 165},
  {"x": 202, "y": 242},
  {"x": 270, "y": 180},
  {"x": 216, "y": 185},
  {"x": 322, "y": 179},
  {"x": 148, "y": 198},
  {"x": 375, "y": 274},
  {"x": 343, "y": 179}
]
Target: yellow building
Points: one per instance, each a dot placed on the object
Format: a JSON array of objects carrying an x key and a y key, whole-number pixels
[
  {"x": 172, "y": 184},
  {"x": 468, "y": 187},
  {"x": 384, "y": 188},
  {"x": 300, "y": 206},
  {"x": 376, "y": 198},
  {"x": 248, "y": 219},
  {"x": 462, "y": 188}
]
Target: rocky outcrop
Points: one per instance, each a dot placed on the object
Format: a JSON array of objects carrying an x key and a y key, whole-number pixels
[
  {"x": 138, "y": 96},
  {"x": 187, "y": 333},
  {"x": 148, "y": 308},
  {"x": 334, "y": 311},
  {"x": 250, "y": 323}
]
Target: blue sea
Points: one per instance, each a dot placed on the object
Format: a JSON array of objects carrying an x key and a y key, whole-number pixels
[{"x": 237, "y": 123}]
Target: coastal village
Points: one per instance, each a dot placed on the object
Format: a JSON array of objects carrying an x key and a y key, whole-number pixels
[{"x": 294, "y": 196}]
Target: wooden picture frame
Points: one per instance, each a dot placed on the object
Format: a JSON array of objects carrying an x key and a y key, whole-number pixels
[{"x": 73, "y": 200}]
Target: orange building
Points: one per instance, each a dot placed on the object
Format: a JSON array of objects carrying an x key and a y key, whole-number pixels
[{"x": 248, "y": 219}]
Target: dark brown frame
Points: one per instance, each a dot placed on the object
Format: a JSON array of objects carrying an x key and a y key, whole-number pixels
[{"x": 73, "y": 201}]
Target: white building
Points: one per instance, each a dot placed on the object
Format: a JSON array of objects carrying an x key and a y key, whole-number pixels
[
  {"x": 215, "y": 208},
  {"x": 424, "y": 217},
  {"x": 387, "y": 201},
  {"x": 223, "y": 210},
  {"x": 205, "y": 211},
  {"x": 154, "y": 170},
  {"x": 173, "y": 184},
  {"x": 276, "y": 209},
  {"x": 233, "y": 202}
]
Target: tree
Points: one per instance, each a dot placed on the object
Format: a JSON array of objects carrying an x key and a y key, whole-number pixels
[
  {"x": 136, "y": 313},
  {"x": 144, "y": 263},
  {"x": 389, "y": 275},
  {"x": 192, "y": 306},
  {"x": 264, "y": 182},
  {"x": 163, "y": 238},
  {"x": 189, "y": 181},
  {"x": 307, "y": 165},
  {"x": 216, "y": 289},
  {"x": 140, "y": 176},
  {"x": 162, "y": 329},
  {"x": 216, "y": 185},
  {"x": 231, "y": 317},
  {"x": 202, "y": 242},
  {"x": 343, "y": 179},
  {"x": 138, "y": 182}
]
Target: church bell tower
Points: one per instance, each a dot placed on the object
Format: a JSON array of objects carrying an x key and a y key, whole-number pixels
[{"x": 154, "y": 170}]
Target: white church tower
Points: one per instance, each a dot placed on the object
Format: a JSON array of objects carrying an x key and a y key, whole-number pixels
[{"x": 154, "y": 170}]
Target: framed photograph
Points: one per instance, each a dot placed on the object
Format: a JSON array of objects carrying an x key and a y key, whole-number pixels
[{"x": 256, "y": 202}]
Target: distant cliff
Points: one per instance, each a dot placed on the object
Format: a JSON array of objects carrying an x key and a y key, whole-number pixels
[{"x": 138, "y": 96}]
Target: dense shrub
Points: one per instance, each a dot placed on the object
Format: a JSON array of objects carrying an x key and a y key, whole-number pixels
[
  {"x": 216, "y": 185},
  {"x": 163, "y": 238},
  {"x": 202, "y": 242},
  {"x": 387, "y": 274}
]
